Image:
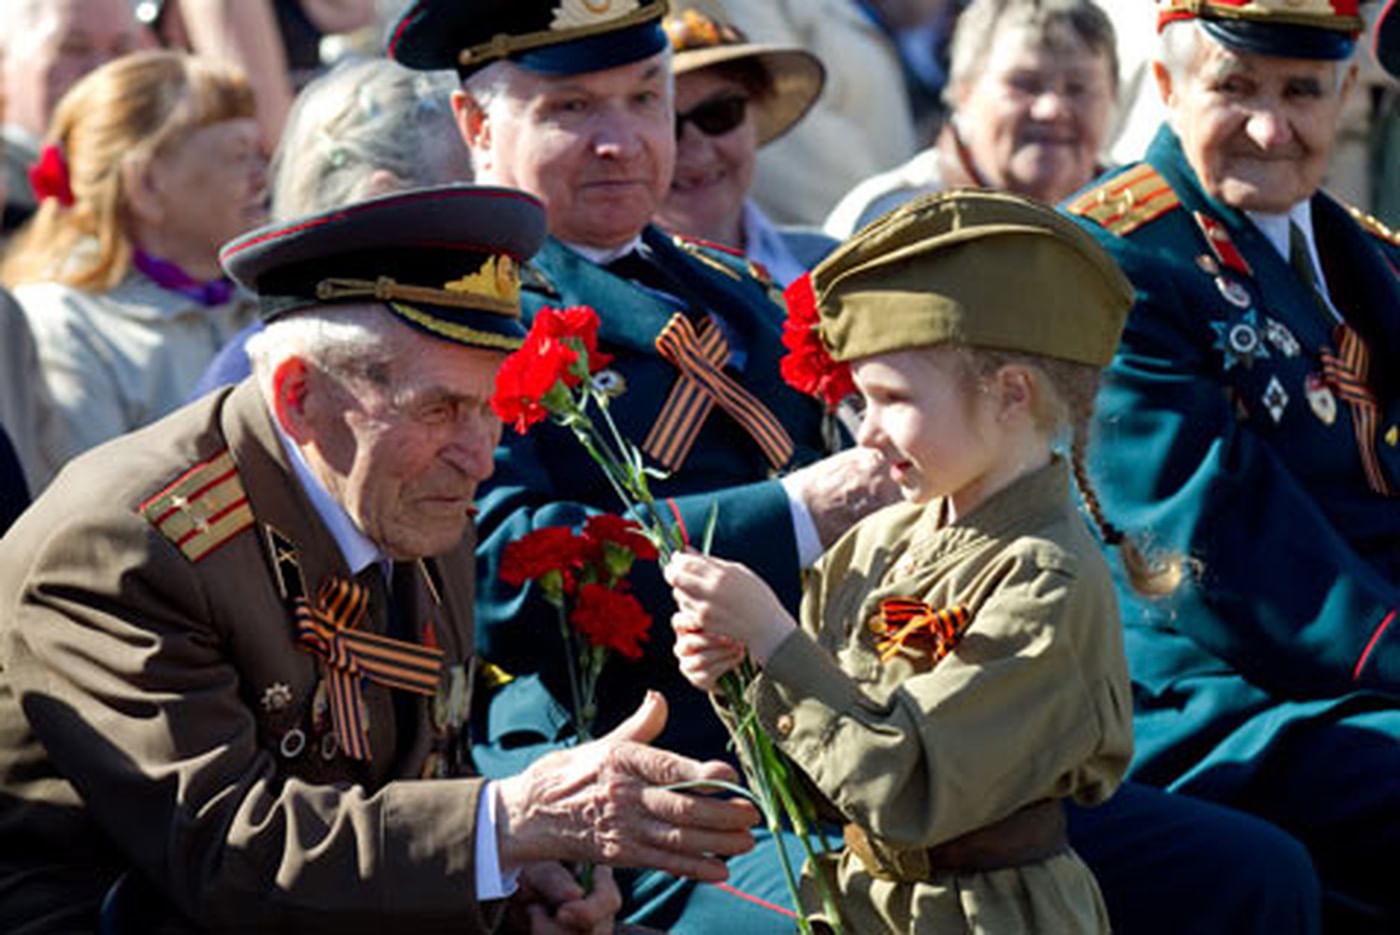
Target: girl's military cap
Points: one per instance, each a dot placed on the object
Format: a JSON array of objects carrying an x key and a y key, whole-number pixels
[
  {"x": 556, "y": 37},
  {"x": 980, "y": 268},
  {"x": 1313, "y": 29},
  {"x": 443, "y": 260}
]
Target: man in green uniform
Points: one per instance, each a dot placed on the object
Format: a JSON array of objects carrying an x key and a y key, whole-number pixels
[
  {"x": 1250, "y": 421},
  {"x": 236, "y": 647}
]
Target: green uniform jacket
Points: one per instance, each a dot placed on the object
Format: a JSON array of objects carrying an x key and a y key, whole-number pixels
[
  {"x": 150, "y": 696},
  {"x": 545, "y": 478},
  {"x": 1214, "y": 440},
  {"x": 1033, "y": 703}
]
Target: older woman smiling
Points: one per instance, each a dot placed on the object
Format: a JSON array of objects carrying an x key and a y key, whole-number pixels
[
  {"x": 1031, "y": 91},
  {"x": 732, "y": 97}
]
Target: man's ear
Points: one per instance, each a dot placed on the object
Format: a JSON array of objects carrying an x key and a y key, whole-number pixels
[
  {"x": 473, "y": 123},
  {"x": 291, "y": 390}
]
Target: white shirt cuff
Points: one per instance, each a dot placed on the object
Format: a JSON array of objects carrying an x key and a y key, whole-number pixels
[
  {"x": 490, "y": 882},
  {"x": 804, "y": 528}
]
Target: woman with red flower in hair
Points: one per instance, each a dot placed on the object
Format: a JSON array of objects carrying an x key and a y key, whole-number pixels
[{"x": 151, "y": 163}]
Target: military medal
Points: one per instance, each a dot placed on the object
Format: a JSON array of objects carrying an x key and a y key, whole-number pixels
[
  {"x": 609, "y": 382},
  {"x": 330, "y": 746},
  {"x": 276, "y": 697},
  {"x": 1240, "y": 341},
  {"x": 1275, "y": 399},
  {"x": 1320, "y": 398},
  {"x": 1208, "y": 265},
  {"x": 1281, "y": 338},
  {"x": 1234, "y": 293},
  {"x": 293, "y": 742}
]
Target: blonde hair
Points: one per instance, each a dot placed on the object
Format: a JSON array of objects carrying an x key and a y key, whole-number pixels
[
  {"x": 1067, "y": 408},
  {"x": 129, "y": 109}
]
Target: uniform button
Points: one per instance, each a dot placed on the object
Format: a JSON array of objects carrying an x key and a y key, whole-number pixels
[
  {"x": 784, "y": 725},
  {"x": 1392, "y": 437}
]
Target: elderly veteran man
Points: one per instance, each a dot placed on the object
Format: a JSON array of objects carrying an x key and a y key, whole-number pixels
[
  {"x": 1251, "y": 421},
  {"x": 236, "y": 646},
  {"x": 573, "y": 102},
  {"x": 574, "y": 105}
]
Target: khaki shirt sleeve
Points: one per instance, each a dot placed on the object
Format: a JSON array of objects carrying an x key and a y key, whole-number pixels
[
  {"x": 1007, "y": 719},
  {"x": 129, "y": 685}
]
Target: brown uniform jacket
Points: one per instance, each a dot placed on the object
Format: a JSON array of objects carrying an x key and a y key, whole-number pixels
[
  {"x": 151, "y": 695},
  {"x": 1032, "y": 704}
]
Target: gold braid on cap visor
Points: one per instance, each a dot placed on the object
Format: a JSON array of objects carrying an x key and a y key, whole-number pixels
[
  {"x": 1279, "y": 12},
  {"x": 386, "y": 289},
  {"x": 503, "y": 44}
]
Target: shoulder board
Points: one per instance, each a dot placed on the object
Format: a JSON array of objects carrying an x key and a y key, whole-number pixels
[
  {"x": 1127, "y": 201},
  {"x": 531, "y": 277},
  {"x": 204, "y": 508},
  {"x": 712, "y": 255},
  {"x": 682, "y": 241},
  {"x": 1374, "y": 226}
]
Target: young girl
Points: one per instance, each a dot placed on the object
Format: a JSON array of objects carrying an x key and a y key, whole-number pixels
[{"x": 958, "y": 669}]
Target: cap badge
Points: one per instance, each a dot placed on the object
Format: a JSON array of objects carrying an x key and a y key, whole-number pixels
[
  {"x": 580, "y": 14},
  {"x": 497, "y": 279}
]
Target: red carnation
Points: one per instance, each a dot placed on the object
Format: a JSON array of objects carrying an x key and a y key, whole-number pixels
[
  {"x": 538, "y": 554},
  {"x": 626, "y": 533},
  {"x": 611, "y": 620},
  {"x": 547, "y": 364},
  {"x": 808, "y": 367}
]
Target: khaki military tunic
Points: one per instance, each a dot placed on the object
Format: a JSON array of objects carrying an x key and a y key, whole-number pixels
[
  {"x": 156, "y": 714},
  {"x": 1032, "y": 705}
]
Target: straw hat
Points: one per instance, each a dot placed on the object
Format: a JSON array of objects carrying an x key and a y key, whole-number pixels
[{"x": 702, "y": 35}]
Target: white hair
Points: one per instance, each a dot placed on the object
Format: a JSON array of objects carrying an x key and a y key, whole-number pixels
[
  {"x": 363, "y": 118},
  {"x": 353, "y": 342}
]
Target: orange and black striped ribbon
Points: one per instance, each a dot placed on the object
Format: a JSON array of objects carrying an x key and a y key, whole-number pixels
[
  {"x": 700, "y": 357},
  {"x": 903, "y": 620},
  {"x": 329, "y": 628},
  {"x": 1346, "y": 372}
]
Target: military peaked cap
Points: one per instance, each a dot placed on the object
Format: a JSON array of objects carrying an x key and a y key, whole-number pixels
[
  {"x": 443, "y": 260},
  {"x": 556, "y": 37},
  {"x": 980, "y": 268},
  {"x": 1314, "y": 29},
  {"x": 1388, "y": 38}
]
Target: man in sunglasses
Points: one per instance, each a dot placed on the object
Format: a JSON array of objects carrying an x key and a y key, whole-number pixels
[{"x": 572, "y": 102}]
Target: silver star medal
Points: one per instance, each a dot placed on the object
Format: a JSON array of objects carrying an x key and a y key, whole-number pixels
[
  {"x": 276, "y": 697},
  {"x": 1240, "y": 341},
  {"x": 1234, "y": 293}
]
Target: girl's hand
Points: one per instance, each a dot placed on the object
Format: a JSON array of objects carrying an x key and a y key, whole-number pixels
[
  {"x": 720, "y": 598},
  {"x": 703, "y": 658}
]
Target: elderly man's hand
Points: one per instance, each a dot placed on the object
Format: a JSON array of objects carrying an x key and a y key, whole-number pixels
[
  {"x": 602, "y": 802},
  {"x": 551, "y": 902},
  {"x": 842, "y": 489}
]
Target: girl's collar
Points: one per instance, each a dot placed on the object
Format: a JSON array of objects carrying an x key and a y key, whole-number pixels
[{"x": 171, "y": 277}]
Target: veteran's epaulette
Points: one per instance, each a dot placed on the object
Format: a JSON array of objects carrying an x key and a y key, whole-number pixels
[
  {"x": 716, "y": 256},
  {"x": 1374, "y": 226},
  {"x": 532, "y": 278},
  {"x": 1127, "y": 201},
  {"x": 204, "y": 508}
]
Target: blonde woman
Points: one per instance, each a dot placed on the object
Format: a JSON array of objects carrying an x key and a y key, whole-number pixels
[{"x": 151, "y": 163}]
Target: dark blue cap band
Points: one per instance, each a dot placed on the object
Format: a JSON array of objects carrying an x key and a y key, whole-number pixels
[
  {"x": 596, "y": 53},
  {"x": 1281, "y": 41}
]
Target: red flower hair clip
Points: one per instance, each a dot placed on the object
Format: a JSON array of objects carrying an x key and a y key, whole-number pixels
[
  {"x": 49, "y": 176},
  {"x": 808, "y": 367}
]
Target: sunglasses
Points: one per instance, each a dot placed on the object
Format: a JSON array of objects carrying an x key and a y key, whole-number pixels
[{"x": 714, "y": 117}]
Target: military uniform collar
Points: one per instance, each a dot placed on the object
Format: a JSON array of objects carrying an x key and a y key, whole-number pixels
[
  {"x": 355, "y": 547},
  {"x": 603, "y": 256}
]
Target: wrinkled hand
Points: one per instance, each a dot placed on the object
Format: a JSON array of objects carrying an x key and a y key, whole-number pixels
[
  {"x": 600, "y": 802},
  {"x": 551, "y": 902},
  {"x": 721, "y": 605},
  {"x": 842, "y": 489}
]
